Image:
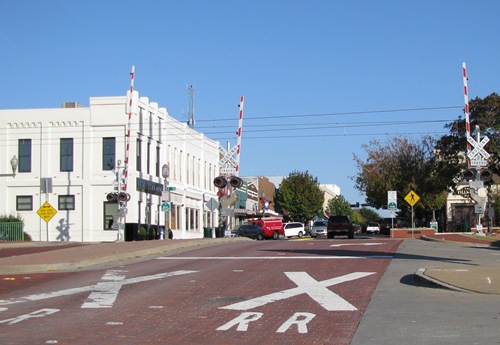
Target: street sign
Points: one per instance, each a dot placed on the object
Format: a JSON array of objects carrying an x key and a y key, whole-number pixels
[
  {"x": 212, "y": 204},
  {"x": 171, "y": 188},
  {"x": 478, "y": 150},
  {"x": 392, "y": 200},
  {"x": 46, "y": 212},
  {"x": 165, "y": 207},
  {"x": 412, "y": 198}
]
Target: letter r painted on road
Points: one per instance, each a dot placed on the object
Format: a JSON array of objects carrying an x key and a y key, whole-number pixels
[
  {"x": 242, "y": 321},
  {"x": 294, "y": 320}
]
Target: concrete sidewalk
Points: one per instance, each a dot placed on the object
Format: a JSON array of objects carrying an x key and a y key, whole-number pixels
[{"x": 36, "y": 257}]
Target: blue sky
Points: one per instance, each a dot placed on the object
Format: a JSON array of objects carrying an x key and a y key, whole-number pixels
[{"x": 320, "y": 78}]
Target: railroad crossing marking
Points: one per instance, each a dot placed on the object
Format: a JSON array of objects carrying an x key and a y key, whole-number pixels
[
  {"x": 354, "y": 244},
  {"x": 317, "y": 290},
  {"x": 101, "y": 289}
]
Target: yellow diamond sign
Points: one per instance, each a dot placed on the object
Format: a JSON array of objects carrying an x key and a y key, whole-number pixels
[
  {"x": 46, "y": 212},
  {"x": 412, "y": 198}
]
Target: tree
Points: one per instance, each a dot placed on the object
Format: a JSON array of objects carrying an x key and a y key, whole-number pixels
[
  {"x": 402, "y": 165},
  {"x": 299, "y": 196},
  {"x": 339, "y": 206},
  {"x": 484, "y": 113},
  {"x": 368, "y": 215}
]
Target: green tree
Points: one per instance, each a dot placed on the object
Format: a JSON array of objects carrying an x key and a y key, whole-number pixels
[
  {"x": 299, "y": 196},
  {"x": 339, "y": 206},
  {"x": 368, "y": 215},
  {"x": 402, "y": 165}
]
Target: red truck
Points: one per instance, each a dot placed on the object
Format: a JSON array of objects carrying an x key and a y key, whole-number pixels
[{"x": 272, "y": 226}]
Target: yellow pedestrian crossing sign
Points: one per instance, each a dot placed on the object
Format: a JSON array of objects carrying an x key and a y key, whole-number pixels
[
  {"x": 46, "y": 212},
  {"x": 412, "y": 198}
]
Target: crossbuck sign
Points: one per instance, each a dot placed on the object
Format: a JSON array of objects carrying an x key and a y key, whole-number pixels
[{"x": 478, "y": 155}]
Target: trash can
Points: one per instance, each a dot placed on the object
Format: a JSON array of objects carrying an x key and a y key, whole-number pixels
[
  {"x": 207, "y": 232},
  {"x": 434, "y": 225}
]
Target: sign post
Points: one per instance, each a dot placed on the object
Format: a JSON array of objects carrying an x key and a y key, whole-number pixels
[{"x": 392, "y": 204}]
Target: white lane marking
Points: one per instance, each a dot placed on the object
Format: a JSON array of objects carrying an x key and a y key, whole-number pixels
[
  {"x": 354, "y": 244},
  {"x": 106, "y": 290},
  {"x": 67, "y": 292},
  {"x": 308, "y": 285},
  {"x": 272, "y": 257},
  {"x": 38, "y": 313},
  {"x": 488, "y": 279}
]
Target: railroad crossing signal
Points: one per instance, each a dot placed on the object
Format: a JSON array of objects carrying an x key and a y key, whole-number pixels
[{"x": 478, "y": 155}]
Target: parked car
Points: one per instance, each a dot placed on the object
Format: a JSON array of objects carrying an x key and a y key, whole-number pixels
[
  {"x": 319, "y": 228},
  {"x": 357, "y": 228},
  {"x": 294, "y": 229},
  {"x": 339, "y": 225},
  {"x": 250, "y": 231},
  {"x": 373, "y": 228},
  {"x": 272, "y": 226}
]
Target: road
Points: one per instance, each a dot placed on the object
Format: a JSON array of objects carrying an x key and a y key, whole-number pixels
[
  {"x": 269, "y": 292},
  {"x": 307, "y": 291}
]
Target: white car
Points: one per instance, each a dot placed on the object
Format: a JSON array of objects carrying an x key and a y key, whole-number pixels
[
  {"x": 294, "y": 229},
  {"x": 319, "y": 228},
  {"x": 373, "y": 228}
]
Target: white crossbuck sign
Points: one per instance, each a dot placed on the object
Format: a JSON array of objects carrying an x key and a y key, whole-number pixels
[{"x": 478, "y": 148}]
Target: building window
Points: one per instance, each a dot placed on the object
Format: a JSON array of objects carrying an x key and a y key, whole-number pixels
[
  {"x": 158, "y": 161},
  {"x": 138, "y": 165},
  {"x": 110, "y": 208},
  {"x": 66, "y": 147},
  {"x": 66, "y": 202},
  {"x": 24, "y": 203},
  {"x": 108, "y": 153},
  {"x": 24, "y": 155},
  {"x": 148, "y": 159}
]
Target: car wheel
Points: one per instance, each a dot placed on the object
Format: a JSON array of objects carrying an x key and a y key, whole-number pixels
[
  {"x": 300, "y": 234},
  {"x": 259, "y": 237},
  {"x": 351, "y": 236},
  {"x": 276, "y": 235}
]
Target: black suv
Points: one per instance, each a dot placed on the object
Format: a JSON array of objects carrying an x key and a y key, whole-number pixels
[{"x": 339, "y": 225}]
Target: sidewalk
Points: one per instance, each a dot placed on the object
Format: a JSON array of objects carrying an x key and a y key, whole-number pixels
[
  {"x": 465, "y": 278},
  {"x": 36, "y": 257}
]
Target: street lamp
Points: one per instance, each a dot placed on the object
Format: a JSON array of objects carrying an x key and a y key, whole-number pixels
[
  {"x": 14, "y": 163},
  {"x": 165, "y": 172}
]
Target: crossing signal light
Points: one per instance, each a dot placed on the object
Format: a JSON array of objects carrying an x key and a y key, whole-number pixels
[
  {"x": 470, "y": 174},
  {"x": 236, "y": 182},
  {"x": 486, "y": 174},
  {"x": 220, "y": 182},
  {"x": 123, "y": 196},
  {"x": 112, "y": 197}
]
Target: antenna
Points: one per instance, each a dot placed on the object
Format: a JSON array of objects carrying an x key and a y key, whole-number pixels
[{"x": 191, "y": 121}]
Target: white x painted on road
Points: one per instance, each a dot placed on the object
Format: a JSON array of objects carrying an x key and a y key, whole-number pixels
[
  {"x": 317, "y": 290},
  {"x": 115, "y": 282}
]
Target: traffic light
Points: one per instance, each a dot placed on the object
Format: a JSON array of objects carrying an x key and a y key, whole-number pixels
[
  {"x": 220, "y": 182},
  {"x": 470, "y": 174},
  {"x": 112, "y": 197},
  {"x": 124, "y": 197},
  {"x": 236, "y": 182}
]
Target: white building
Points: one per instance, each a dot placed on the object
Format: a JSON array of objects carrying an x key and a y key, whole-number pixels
[{"x": 68, "y": 158}]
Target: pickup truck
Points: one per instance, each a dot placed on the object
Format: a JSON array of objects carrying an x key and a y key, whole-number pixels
[{"x": 339, "y": 225}]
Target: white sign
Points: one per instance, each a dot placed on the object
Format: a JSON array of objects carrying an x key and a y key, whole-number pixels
[
  {"x": 392, "y": 200},
  {"x": 478, "y": 150}
]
